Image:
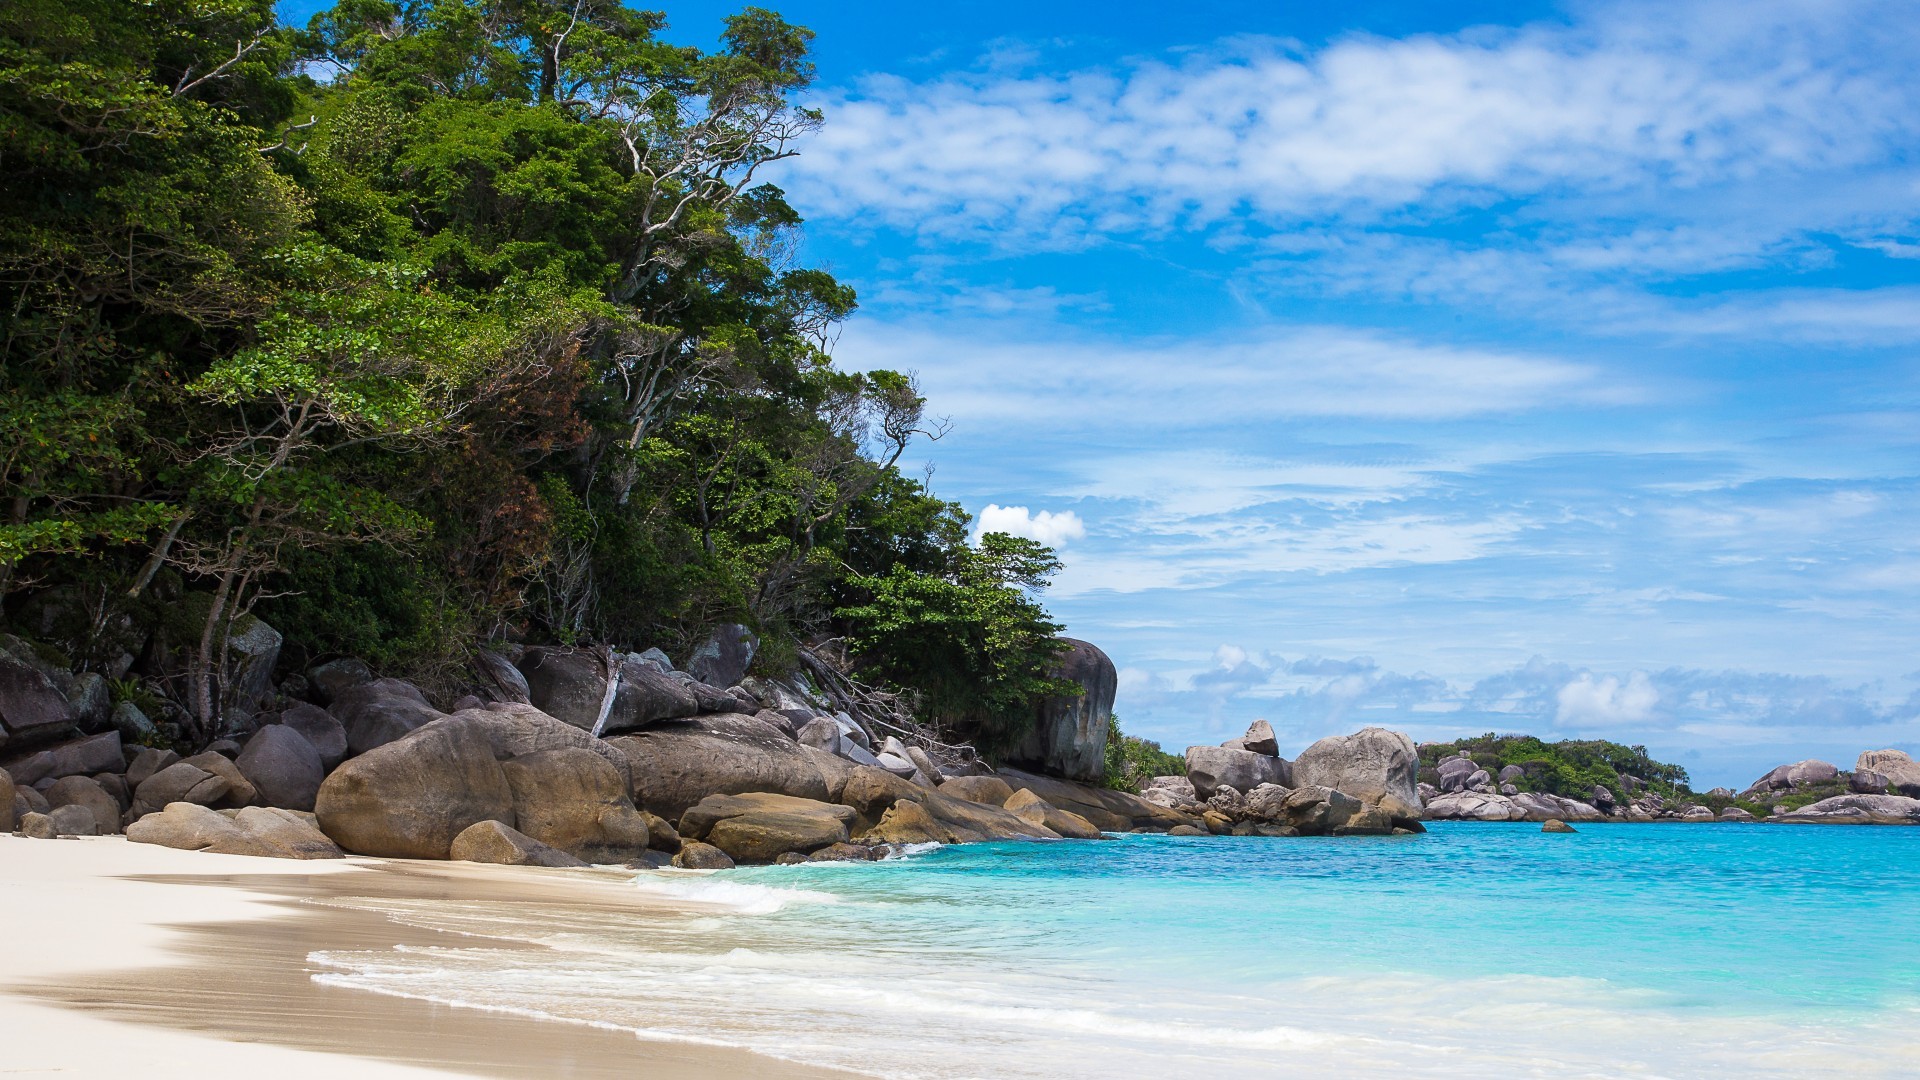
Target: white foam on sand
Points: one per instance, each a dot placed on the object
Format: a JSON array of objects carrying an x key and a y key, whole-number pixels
[{"x": 741, "y": 897}]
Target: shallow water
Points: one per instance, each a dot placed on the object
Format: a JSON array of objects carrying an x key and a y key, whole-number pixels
[{"x": 1622, "y": 951}]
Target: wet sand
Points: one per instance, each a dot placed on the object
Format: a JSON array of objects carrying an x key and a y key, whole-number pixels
[{"x": 134, "y": 959}]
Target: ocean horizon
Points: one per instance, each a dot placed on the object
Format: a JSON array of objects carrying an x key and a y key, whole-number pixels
[{"x": 1655, "y": 950}]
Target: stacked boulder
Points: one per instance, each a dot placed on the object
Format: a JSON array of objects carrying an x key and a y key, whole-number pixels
[{"x": 1360, "y": 784}]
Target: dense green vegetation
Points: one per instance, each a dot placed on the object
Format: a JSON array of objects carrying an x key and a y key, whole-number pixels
[
  {"x": 1131, "y": 762},
  {"x": 1570, "y": 768},
  {"x": 444, "y": 321}
]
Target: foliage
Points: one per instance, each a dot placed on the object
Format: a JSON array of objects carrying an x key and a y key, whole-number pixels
[
  {"x": 437, "y": 320},
  {"x": 1131, "y": 762},
  {"x": 1570, "y": 768}
]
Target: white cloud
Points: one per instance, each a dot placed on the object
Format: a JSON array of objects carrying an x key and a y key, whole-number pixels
[
  {"x": 1607, "y": 702},
  {"x": 1047, "y": 527},
  {"x": 1675, "y": 96}
]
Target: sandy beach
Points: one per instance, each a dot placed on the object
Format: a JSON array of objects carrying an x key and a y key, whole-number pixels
[{"x": 131, "y": 959}]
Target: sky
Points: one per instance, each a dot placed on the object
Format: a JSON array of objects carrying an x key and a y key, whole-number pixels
[{"x": 1533, "y": 367}]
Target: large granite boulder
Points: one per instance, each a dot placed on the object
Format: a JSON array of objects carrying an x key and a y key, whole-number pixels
[
  {"x": 1317, "y": 810},
  {"x": 1212, "y": 767},
  {"x": 1795, "y": 775},
  {"x": 240, "y": 790},
  {"x": 377, "y": 712},
  {"x": 283, "y": 767},
  {"x": 1260, "y": 739},
  {"x": 326, "y": 734},
  {"x": 723, "y": 659},
  {"x": 504, "y": 679},
  {"x": 576, "y": 801},
  {"x": 1036, "y": 811},
  {"x": 695, "y": 855},
  {"x": 1069, "y": 736},
  {"x": 1540, "y": 806},
  {"x": 759, "y": 828},
  {"x": 678, "y": 763},
  {"x": 145, "y": 763},
  {"x": 1455, "y": 773},
  {"x": 178, "y": 782},
  {"x": 1900, "y": 772},
  {"x": 411, "y": 797},
  {"x": 1473, "y": 806},
  {"x": 1377, "y": 766},
  {"x": 491, "y": 842},
  {"x": 85, "y": 791},
  {"x": 80, "y": 757},
  {"x": 1857, "y": 810},
  {"x": 990, "y": 790},
  {"x": 255, "y": 830},
  {"x": 873, "y": 793},
  {"x": 569, "y": 684},
  {"x": 1106, "y": 809},
  {"x": 74, "y": 819},
  {"x": 331, "y": 679},
  {"x": 32, "y": 708}
]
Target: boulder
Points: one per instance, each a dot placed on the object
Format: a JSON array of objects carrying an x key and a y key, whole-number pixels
[
  {"x": 1260, "y": 739},
  {"x": 1858, "y": 810},
  {"x": 377, "y": 712},
  {"x": 37, "y": 826},
  {"x": 1734, "y": 813},
  {"x": 1473, "y": 806},
  {"x": 695, "y": 855},
  {"x": 283, "y": 767},
  {"x": 873, "y": 793},
  {"x": 240, "y": 790},
  {"x": 990, "y": 790},
  {"x": 132, "y": 724},
  {"x": 1266, "y": 803},
  {"x": 1106, "y": 809},
  {"x": 1511, "y": 774},
  {"x": 1479, "y": 780},
  {"x": 115, "y": 784},
  {"x": 678, "y": 763},
  {"x": 81, "y": 757},
  {"x": 178, "y": 782},
  {"x": 409, "y": 798},
  {"x": 76, "y": 819},
  {"x": 326, "y": 734},
  {"x": 1901, "y": 772},
  {"x": 331, "y": 679},
  {"x": 91, "y": 700},
  {"x": 1603, "y": 799},
  {"x": 1210, "y": 767},
  {"x": 1454, "y": 771},
  {"x": 491, "y": 842},
  {"x": 1069, "y": 736},
  {"x": 1868, "y": 782},
  {"x": 1187, "y": 830},
  {"x": 505, "y": 680},
  {"x": 1798, "y": 774},
  {"x": 907, "y": 822},
  {"x": 83, "y": 791},
  {"x": 1540, "y": 806},
  {"x": 1696, "y": 813},
  {"x": 32, "y": 708},
  {"x": 569, "y": 684},
  {"x": 821, "y": 733},
  {"x": 1314, "y": 809},
  {"x": 758, "y": 828},
  {"x": 9, "y": 816},
  {"x": 270, "y": 832},
  {"x": 1034, "y": 810},
  {"x": 1377, "y": 766},
  {"x": 723, "y": 659},
  {"x": 576, "y": 801},
  {"x": 929, "y": 769},
  {"x": 846, "y": 853},
  {"x": 1555, "y": 825},
  {"x": 746, "y": 706},
  {"x": 26, "y": 800},
  {"x": 147, "y": 762},
  {"x": 253, "y": 650}
]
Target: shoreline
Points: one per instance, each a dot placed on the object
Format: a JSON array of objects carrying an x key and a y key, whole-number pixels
[{"x": 131, "y": 956}]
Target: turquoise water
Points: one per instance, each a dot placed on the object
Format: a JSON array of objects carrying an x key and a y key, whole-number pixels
[{"x": 1625, "y": 950}]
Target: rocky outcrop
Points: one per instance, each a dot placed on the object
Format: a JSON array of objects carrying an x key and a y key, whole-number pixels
[
  {"x": 1069, "y": 736},
  {"x": 410, "y": 798},
  {"x": 759, "y": 828},
  {"x": 379, "y": 711},
  {"x": 1106, "y": 809},
  {"x": 1857, "y": 810},
  {"x": 1540, "y": 806},
  {"x": 571, "y": 684},
  {"x": 1896, "y": 773},
  {"x": 990, "y": 790},
  {"x": 283, "y": 767},
  {"x": 491, "y": 842},
  {"x": 1555, "y": 825},
  {"x": 1473, "y": 806},
  {"x": 723, "y": 659},
  {"x": 935, "y": 817},
  {"x": 1212, "y": 767},
  {"x": 677, "y": 764},
  {"x": 1036, "y": 811},
  {"x": 1377, "y": 766},
  {"x": 255, "y": 830},
  {"x": 32, "y": 708},
  {"x": 80, "y": 757},
  {"x": 1799, "y": 774}
]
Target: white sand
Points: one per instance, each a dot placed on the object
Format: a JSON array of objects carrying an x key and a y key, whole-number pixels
[{"x": 66, "y": 909}]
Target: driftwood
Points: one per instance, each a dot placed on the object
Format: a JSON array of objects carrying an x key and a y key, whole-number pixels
[{"x": 880, "y": 712}]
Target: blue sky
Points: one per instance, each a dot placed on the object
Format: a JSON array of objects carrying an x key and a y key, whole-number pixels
[{"x": 1525, "y": 367}]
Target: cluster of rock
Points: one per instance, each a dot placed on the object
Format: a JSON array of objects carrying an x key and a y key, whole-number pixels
[
  {"x": 1882, "y": 789},
  {"x": 1360, "y": 784},
  {"x": 574, "y": 756}
]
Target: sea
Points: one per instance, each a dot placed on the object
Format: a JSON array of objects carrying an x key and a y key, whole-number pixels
[{"x": 1477, "y": 949}]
